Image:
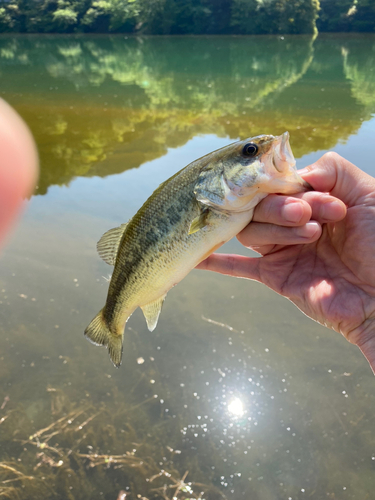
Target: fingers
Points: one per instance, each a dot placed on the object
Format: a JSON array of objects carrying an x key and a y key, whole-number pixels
[
  {"x": 238, "y": 266},
  {"x": 257, "y": 235},
  {"x": 333, "y": 174},
  {"x": 324, "y": 208},
  {"x": 286, "y": 220},
  {"x": 299, "y": 209},
  {"x": 18, "y": 165},
  {"x": 282, "y": 210}
]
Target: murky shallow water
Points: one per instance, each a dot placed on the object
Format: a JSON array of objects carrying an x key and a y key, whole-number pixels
[{"x": 235, "y": 385}]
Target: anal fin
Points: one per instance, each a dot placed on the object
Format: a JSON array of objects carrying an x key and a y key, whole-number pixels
[{"x": 152, "y": 311}]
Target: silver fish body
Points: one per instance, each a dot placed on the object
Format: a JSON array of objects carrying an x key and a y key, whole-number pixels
[{"x": 185, "y": 220}]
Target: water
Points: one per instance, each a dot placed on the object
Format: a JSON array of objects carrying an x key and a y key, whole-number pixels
[{"x": 235, "y": 386}]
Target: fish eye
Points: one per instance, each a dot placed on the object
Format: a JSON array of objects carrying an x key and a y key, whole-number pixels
[{"x": 250, "y": 149}]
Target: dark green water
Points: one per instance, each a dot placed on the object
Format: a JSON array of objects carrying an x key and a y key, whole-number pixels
[{"x": 235, "y": 385}]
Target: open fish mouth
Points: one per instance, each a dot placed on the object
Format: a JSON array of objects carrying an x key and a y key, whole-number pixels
[
  {"x": 282, "y": 155},
  {"x": 283, "y": 152},
  {"x": 283, "y": 158}
]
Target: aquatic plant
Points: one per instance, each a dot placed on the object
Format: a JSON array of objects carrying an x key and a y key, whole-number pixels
[{"x": 90, "y": 449}]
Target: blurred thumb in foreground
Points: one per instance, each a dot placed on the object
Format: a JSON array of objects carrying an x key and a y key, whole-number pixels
[{"x": 18, "y": 166}]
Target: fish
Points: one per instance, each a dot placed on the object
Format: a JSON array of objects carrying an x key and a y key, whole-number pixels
[{"x": 185, "y": 220}]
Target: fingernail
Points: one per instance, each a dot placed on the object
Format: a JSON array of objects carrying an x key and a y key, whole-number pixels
[
  {"x": 292, "y": 212},
  {"x": 331, "y": 211},
  {"x": 309, "y": 230}
]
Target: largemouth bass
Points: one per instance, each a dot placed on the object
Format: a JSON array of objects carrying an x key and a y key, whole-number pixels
[{"x": 186, "y": 219}]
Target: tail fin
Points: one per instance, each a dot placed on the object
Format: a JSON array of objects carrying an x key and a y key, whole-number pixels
[{"x": 98, "y": 333}]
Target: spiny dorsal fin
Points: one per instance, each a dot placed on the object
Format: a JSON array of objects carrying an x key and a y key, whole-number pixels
[
  {"x": 152, "y": 311},
  {"x": 108, "y": 244},
  {"x": 199, "y": 222}
]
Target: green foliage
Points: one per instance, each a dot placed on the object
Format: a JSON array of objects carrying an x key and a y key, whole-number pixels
[
  {"x": 274, "y": 16},
  {"x": 159, "y": 16},
  {"x": 347, "y": 15},
  {"x": 362, "y": 16},
  {"x": 359, "y": 69},
  {"x": 333, "y": 15},
  {"x": 246, "y": 16},
  {"x": 185, "y": 17},
  {"x": 179, "y": 17},
  {"x": 65, "y": 18},
  {"x": 10, "y": 16},
  {"x": 111, "y": 16},
  {"x": 6, "y": 21}
]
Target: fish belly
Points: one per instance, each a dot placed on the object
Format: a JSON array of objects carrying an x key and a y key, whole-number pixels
[{"x": 171, "y": 266}]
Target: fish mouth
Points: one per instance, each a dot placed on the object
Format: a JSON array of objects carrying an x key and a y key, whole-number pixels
[
  {"x": 284, "y": 162},
  {"x": 282, "y": 153}
]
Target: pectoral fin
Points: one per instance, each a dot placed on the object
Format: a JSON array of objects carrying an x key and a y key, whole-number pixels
[
  {"x": 199, "y": 222},
  {"x": 152, "y": 311},
  {"x": 109, "y": 243}
]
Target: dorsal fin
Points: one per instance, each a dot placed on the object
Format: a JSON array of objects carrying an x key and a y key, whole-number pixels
[
  {"x": 152, "y": 311},
  {"x": 109, "y": 243}
]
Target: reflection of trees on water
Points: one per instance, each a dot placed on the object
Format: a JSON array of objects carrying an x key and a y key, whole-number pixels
[
  {"x": 359, "y": 68},
  {"x": 94, "y": 103},
  {"x": 188, "y": 73}
]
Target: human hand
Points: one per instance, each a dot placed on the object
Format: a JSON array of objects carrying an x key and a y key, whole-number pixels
[
  {"x": 18, "y": 166},
  {"x": 325, "y": 262}
]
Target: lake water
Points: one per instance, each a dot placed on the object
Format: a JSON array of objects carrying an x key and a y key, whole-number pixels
[{"x": 236, "y": 394}]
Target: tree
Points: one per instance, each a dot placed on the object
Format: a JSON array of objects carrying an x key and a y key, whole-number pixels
[
  {"x": 333, "y": 15},
  {"x": 362, "y": 16},
  {"x": 111, "y": 15},
  {"x": 274, "y": 16},
  {"x": 65, "y": 17}
]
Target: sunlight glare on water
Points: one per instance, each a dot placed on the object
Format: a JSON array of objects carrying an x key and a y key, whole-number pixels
[{"x": 235, "y": 407}]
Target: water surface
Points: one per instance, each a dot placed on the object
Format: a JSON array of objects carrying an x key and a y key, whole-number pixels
[{"x": 235, "y": 392}]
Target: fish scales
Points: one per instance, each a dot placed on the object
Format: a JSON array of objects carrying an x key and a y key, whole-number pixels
[
  {"x": 147, "y": 248},
  {"x": 187, "y": 217}
]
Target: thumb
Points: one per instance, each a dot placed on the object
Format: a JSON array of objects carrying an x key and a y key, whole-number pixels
[
  {"x": 334, "y": 174},
  {"x": 18, "y": 165}
]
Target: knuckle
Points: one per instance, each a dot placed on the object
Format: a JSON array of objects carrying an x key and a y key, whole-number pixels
[
  {"x": 243, "y": 237},
  {"x": 332, "y": 157}
]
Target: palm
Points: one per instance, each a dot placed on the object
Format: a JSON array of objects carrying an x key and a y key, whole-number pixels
[{"x": 331, "y": 280}]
